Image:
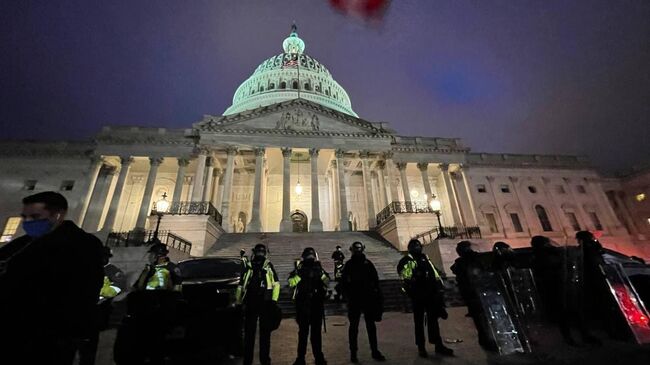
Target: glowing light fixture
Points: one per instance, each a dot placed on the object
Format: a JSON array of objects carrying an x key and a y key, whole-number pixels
[
  {"x": 162, "y": 205},
  {"x": 435, "y": 205},
  {"x": 640, "y": 197},
  {"x": 414, "y": 194}
]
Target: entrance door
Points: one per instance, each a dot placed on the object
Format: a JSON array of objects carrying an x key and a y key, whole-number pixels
[{"x": 299, "y": 220}]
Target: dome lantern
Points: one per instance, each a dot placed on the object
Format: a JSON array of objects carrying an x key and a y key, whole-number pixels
[{"x": 293, "y": 43}]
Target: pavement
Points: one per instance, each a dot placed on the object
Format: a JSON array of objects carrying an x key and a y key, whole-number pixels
[{"x": 396, "y": 341}]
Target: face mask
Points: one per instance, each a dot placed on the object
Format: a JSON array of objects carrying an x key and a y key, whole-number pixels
[
  {"x": 37, "y": 228},
  {"x": 416, "y": 250}
]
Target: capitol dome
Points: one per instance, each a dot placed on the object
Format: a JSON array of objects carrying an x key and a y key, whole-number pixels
[{"x": 290, "y": 75}]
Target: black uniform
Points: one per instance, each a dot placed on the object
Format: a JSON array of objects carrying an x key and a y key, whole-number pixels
[
  {"x": 309, "y": 281},
  {"x": 50, "y": 288},
  {"x": 360, "y": 284},
  {"x": 424, "y": 286},
  {"x": 338, "y": 258}
]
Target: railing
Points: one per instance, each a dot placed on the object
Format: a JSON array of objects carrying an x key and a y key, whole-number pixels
[
  {"x": 193, "y": 208},
  {"x": 402, "y": 207},
  {"x": 449, "y": 232},
  {"x": 140, "y": 238}
]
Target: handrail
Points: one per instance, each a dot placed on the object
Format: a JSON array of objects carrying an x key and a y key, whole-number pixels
[
  {"x": 137, "y": 238},
  {"x": 449, "y": 232},
  {"x": 402, "y": 207},
  {"x": 193, "y": 208}
]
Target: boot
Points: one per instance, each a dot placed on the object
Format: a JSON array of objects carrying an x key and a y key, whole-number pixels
[
  {"x": 444, "y": 350},
  {"x": 378, "y": 356},
  {"x": 353, "y": 357},
  {"x": 422, "y": 352},
  {"x": 320, "y": 360},
  {"x": 299, "y": 361}
]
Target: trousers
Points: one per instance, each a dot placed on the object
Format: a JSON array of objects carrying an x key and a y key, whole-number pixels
[
  {"x": 253, "y": 313},
  {"x": 354, "y": 316},
  {"x": 420, "y": 307},
  {"x": 310, "y": 320}
]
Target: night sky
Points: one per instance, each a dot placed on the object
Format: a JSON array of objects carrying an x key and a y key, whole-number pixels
[{"x": 569, "y": 77}]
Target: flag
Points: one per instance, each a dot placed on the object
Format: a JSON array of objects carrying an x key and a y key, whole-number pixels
[
  {"x": 366, "y": 9},
  {"x": 292, "y": 62}
]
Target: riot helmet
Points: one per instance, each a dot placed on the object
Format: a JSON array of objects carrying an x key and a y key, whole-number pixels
[
  {"x": 259, "y": 251},
  {"x": 357, "y": 247},
  {"x": 309, "y": 254},
  {"x": 157, "y": 251},
  {"x": 415, "y": 247},
  {"x": 464, "y": 248}
]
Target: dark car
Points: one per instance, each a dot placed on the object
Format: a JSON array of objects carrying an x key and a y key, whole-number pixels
[{"x": 213, "y": 324}]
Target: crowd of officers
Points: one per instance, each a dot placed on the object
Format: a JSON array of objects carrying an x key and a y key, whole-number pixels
[{"x": 70, "y": 269}]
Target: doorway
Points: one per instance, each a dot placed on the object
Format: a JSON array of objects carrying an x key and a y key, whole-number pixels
[{"x": 299, "y": 221}]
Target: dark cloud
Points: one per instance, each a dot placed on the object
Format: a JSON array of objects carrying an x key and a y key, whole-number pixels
[{"x": 506, "y": 76}]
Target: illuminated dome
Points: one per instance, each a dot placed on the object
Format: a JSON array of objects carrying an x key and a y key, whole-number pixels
[{"x": 290, "y": 75}]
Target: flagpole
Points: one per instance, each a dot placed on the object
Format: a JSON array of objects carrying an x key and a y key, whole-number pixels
[{"x": 298, "y": 66}]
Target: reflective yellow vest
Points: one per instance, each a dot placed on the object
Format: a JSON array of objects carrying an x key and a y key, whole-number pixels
[
  {"x": 294, "y": 279},
  {"x": 161, "y": 279},
  {"x": 108, "y": 290},
  {"x": 271, "y": 284},
  {"x": 407, "y": 270}
]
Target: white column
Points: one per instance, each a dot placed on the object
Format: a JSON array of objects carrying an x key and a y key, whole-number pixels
[
  {"x": 372, "y": 218},
  {"x": 217, "y": 188},
  {"x": 145, "y": 205},
  {"x": 255, "y": 224},
  {"x": 95, "y": 164},
  {"x": 499, "y": 212},
  {"x": 381, "y": 178},
  {"x": 376, "y": 190},
  {"x": 180, "y": 179},
  {"x": 98, "y": 199},
  {"x": 227, "y": 189},
  {"x": 209, "y": 178},
  {"x": 197, "y": 190},
  {"x": 561, "y": 218},
  {"x": 424, "y": 172},
  {"x": 315, "y": 225},
  {"x": 109, "y": 222},
  {"x": 584, "y": 218},
  {"x": 401, "y": 166},
  {"x": 444, "y": 168},
  {"x": 471, "y": 218},
  {"x": 343, "y": 200},
  {"x": 602, "y": 201},
  {"x": 285, "y": 223},
  {"x": 522, "y": 203},
  {"x": 391, "y": 190}
]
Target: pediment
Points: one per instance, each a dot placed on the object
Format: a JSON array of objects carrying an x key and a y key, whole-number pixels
[{"x": 290, "y": 117}]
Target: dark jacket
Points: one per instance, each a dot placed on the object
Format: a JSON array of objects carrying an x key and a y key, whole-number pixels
[
  {"x": 309, "y": 282},
  {"x": 420, "y": 279},
  {"x": 338, "y": 256},
  {"x": 359, "y": 280},
  {"x": 52, "y": 285}
]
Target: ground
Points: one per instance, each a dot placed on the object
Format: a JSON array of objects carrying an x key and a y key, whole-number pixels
[{"x": 396, "y": 341}]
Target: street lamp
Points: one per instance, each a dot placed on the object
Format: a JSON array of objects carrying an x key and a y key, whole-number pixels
[
  {"x": 162, "y": 206},
  {"x": 436, "y": 206}
]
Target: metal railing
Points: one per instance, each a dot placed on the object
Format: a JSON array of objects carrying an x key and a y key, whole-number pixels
[
  {"x": 138, "y": 238},
  {"x": 192, "y": 208},
  {"x": 402, "y": 207},
  {"x": 461, "y": 232}
]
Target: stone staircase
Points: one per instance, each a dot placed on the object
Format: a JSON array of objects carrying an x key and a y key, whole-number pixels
[{"x": 285, "y": 249}]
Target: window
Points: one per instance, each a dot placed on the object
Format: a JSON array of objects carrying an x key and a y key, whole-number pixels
[
  {"x": 283, "y": 85},
  {"x": 294, "y": 85},
  {"x": 595, "y": 221},
  {"x": 307, "y": 87},
  {"x": 271, "y": 86},
  {"x": 543, "y": 218},
  {"x": 640, "y": 197},
  {"x": 581, "y": 189},
  {"x": 481, "y": 188},
  {"x": 10, "y": 229},
  {"x": 560, "y": 189},
  {"x": 571, "y": 217},
  {"x": 505, "y": 188},
  {"x": 492, "y": 222},
  {"x": 67, "y": 185},
  {"x": 516, "y": 223},
  {"x": 532, "y": 189},
  {"x": 29, "y": 185}
]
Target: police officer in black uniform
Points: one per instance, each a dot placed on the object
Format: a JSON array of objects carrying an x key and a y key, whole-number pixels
[
  {"x": 309, "y": 282},
  {"x": 424, "y": 286},
  {"x": 258, "y": 291},
  {"x": 360, "y": 284},
  {"x": 338, "y": 258}
]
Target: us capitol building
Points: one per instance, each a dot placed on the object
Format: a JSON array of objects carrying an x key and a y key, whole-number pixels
[{"x": 291, "y": 155}]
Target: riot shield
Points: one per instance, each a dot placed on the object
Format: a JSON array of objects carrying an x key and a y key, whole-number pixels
[
  {"x": 524, "y": 292},
  {"x": 499, "y": 313},
  {"x": 629, "y": 302}
]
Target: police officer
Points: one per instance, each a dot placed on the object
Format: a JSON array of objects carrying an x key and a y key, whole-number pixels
[
  {"x": 424, "y": 286},
  {"x": 360, "y": 283},
  {"x": 160, "y": 273},
  {"x": 338, "y": 258},
  {"x": 309, "y": 282},
  {"x": 258, "y": 290}
]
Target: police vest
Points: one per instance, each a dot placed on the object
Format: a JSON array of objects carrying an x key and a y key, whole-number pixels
[{"x": 271, "y": 285}]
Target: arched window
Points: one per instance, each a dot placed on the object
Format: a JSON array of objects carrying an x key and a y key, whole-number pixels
[
  {"x": 283, "y": 85},
  {"x": 543, "y": 218},
  {"x": 307, "y": 87},
  {"x": 294, "y": 85},
  {"x": 261, "y": 88}
]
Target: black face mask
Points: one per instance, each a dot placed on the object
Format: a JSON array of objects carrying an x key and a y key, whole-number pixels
[{"x": 417, "y": 250}]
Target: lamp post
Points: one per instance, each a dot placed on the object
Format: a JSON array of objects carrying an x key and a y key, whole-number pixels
[
  {"x": 161, "y": 208},
  {"x": 436, "y": 206}
]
